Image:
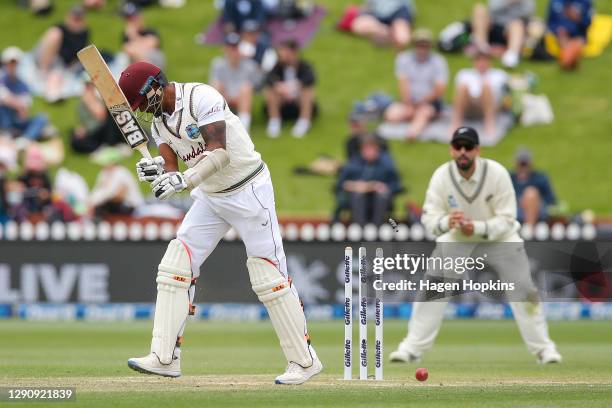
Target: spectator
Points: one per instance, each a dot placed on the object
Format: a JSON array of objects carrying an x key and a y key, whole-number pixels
[
  {"x": 422, "y": 77},
  {"x": 15, "y": 100},
  {"x": 234, "y": 76},
  {"x": 116, "y": 191},
  {"x": 255, "y": 44},
  {"x": 503, "y": 22},
  {"x": 96, "y": 128},
  {"x": 478, "y": 93},
  {"x": 358, "y": 127},
  {"x": 56, "y": 52},
  {"x": 236, "y": 12},
  {"x": 289, "y": 91},
  {"x": 385, "y": 22},
  {"x": 569, "y": 21},
  {"x": 533, "y": 190},
  {"x": 35, "y": 186},
  {"x": 140, "y": 43},
  {"x": 371, "y": 180}
]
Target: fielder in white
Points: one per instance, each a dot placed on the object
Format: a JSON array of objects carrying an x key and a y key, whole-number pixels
[
  {"x": 231, "y": 187},
  {"x": 471, "y": 199}
]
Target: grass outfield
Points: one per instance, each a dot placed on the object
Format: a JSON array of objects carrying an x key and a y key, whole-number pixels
[
  {"x": 574, "y": 150},
  {"x": 474, "y": 363}
]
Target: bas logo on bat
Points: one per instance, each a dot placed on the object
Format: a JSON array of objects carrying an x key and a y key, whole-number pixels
[{"x": 128, "y": 125}]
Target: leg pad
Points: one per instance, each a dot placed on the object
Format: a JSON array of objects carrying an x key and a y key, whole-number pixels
[
  {"x": 284, "y": 309},
  {"x": 173, "y": 304}
]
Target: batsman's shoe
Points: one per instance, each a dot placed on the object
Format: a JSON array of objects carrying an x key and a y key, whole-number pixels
[
  {"x": 403, "y": 356},
  {"x": 549, "y": 356},
  {"x": 296, "y": 374},
  {"x": 150, "y": 365}
]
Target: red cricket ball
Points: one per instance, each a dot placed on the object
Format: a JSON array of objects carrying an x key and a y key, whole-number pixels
[{"x": 421, "y": 374}]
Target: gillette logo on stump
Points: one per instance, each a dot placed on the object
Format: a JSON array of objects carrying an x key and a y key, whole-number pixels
[
  {"x": 347, "y": 353},
  {"x": 378, "y": 354},
  {"x": 347, "y": 311},
  {"x": 364, "y": 353}
]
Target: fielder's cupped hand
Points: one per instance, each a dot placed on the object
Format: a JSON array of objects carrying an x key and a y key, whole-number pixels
[
  {"x": 169, "y": 184},
  {"x": 150, "y": 169},
  {"x": 455, "y": 219}
]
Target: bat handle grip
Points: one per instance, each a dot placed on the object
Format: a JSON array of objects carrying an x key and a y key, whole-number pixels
[{"x": 142, "y": 148}]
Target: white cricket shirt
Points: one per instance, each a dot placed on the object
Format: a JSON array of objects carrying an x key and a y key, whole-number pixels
[
  {"x": 197, "y": 105},
  {"x": 487, "y": 198}
]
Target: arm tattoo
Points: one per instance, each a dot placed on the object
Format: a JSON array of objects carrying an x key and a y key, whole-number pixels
[{"x": 214, "y": 135}]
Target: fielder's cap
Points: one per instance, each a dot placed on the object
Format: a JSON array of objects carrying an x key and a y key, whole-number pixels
[
  {"x": 523, "y": 155},
  {"x": 466, "y": 134},
  {"x": 11, "y": 54},
  {"x": 423, "y": 35},
  {"x": 250, "y": 26},
  {"x": 232, "y": 39},
  {"x": 77, "y": 11},
  {"x": 129, "y": 9}
]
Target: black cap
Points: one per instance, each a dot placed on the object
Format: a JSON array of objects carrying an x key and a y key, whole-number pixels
[{"x": 467, "y": 134}]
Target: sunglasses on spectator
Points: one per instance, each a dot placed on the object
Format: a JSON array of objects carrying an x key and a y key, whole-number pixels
[{"x": 467, "y": 146}]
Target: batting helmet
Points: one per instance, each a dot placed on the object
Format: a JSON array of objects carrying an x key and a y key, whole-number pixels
[{"x": 137, "y": 80}]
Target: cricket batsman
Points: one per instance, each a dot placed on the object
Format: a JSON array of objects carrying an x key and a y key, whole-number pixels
[
  {"x": 469, "y": 200},
  {"x": 231, "y": 187}
]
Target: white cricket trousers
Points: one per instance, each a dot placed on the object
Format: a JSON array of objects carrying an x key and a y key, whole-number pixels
[
  {"x": 250, "y": 211},
  {"x": 427, "y": 317}
]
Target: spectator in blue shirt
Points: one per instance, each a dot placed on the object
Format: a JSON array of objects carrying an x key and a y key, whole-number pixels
[
  {"x": 569, "y": 21},
  {"x": 533, "y": 190},
  {"x": 370, "y": 180},
  {"x": 15, "y": 100}
]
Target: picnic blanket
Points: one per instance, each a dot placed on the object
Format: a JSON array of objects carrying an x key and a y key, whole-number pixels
[
  {"x": 438, "y": 130},
  {"x": 302, "y": 30}
]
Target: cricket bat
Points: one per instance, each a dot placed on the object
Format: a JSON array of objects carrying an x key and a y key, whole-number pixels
[{"x": 114, "y": 99}]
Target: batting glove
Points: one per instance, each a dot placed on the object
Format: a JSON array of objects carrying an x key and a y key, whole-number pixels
[
  {"x": 150, "y": 169},
  {"x": 169, "y": 184}
]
